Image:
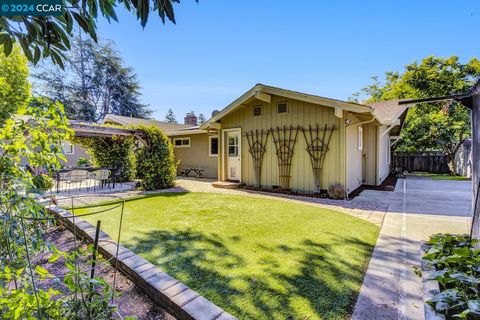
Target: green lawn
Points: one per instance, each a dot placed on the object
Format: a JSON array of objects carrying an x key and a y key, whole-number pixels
[
  {"x": 256, "y": 258},
  {"x": 435, "y": 176}
]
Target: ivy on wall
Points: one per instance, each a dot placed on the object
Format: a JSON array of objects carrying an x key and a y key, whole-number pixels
[
  {"x": 157, "y": 168},
  {"x": 112, "y": 152}
]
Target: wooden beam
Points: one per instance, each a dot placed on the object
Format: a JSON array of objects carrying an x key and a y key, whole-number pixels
[
  {"x": 263, "y": 96},
  {"x": 390, "y": 127},
  {"x": 338, "y": 112}
]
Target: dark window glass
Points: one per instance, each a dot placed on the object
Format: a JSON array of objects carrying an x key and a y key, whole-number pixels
[
  {"x": 282, "y": 107},
  {"x": 213, "y": 146},
  {"x": 257, "y": 111}
]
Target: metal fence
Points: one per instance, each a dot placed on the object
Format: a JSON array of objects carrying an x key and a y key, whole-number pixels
[{"x": 429, "y": 161}]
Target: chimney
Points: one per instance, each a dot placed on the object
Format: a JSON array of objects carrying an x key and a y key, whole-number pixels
[{"x": 190, "y": 119}]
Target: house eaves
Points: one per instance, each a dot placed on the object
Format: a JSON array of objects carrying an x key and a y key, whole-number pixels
[{"x": 262, "y": 92}]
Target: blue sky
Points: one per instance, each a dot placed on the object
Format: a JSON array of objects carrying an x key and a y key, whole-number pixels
[{"x": 220, "y": 48}]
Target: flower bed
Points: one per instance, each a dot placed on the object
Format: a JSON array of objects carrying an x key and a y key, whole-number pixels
[{"x": 456, "y": 264}]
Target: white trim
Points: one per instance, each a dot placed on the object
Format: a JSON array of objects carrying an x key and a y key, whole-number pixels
[
  {"x": 181, "y": 146},
  {"x": 210, "y": 146},
  {"x": 225, "y": 151},
  {"x": 360, "y": 138},
  {"x": 63, "y": 147}
]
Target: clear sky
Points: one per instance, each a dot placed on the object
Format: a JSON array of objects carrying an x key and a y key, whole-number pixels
[{"x": 221, "y": 48}]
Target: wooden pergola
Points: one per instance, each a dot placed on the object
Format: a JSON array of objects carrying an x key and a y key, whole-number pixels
[
  {"x": 471, "y": 100},
  {"x": 87, "y": 129}
]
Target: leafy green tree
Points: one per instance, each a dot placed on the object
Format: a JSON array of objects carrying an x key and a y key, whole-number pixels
[
  {"x": 49, "y": 36},
  {"x": 14, "y": 84},
  {"x": 433, "y": 126},
  {"x": 170, "y": 116},
  {"x": 94, "y": 83}
]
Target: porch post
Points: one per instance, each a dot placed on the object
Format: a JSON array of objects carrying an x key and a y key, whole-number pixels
[{"x": 475, "y": 231}]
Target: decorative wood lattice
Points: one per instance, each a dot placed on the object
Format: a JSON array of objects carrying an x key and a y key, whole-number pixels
[
  {"x": 317, "y": 140},
  {"x": 257, "y": 141},
  {"x": 284, "y": 139}
]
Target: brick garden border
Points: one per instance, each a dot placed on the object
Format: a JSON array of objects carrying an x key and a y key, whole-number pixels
[{"x": 171, "y": 294}]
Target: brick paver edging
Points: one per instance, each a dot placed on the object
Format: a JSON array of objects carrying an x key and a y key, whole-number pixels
[{"x": 174, "y": 296}]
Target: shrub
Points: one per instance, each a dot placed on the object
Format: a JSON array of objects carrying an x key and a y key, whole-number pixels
[
  {"x": 42, "y": 183},
  {"x": 336, "y": 191},
  {"x": 83, "y": 162},
  {"x": 457, "y": 270},
  {"x": 156, "y": 166},
  {"x": 112, "y": 152}
]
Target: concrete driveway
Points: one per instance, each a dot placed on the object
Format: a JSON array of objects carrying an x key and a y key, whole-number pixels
[{"x": 417, "y": 208}]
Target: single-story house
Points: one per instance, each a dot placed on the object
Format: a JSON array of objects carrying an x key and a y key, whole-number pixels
[{"x": 277, "y": 138}]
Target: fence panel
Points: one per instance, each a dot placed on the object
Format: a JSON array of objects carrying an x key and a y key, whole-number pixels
[{"x": 428, "y": 161}]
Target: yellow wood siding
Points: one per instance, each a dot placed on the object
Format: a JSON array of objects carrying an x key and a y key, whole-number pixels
[
  {"x": 299, "y": 114},
  {"x": 197, "y": 155}
]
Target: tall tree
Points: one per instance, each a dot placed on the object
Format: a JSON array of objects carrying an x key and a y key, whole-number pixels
[
  {"x": 170, "y": 116},
  {"x": 94, "y": 83},
  {"x": 201, "y": 118},
  {"x": 14, "y": 84},
  {"x": 434, "y": 126},
  {"x": 49, "y": 36}
]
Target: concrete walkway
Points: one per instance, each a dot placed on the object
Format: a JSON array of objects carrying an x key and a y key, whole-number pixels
[{"x": 417, "y": 208}]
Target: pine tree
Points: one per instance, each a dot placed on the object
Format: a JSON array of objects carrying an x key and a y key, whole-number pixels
[{"x": 170, "y": 116}]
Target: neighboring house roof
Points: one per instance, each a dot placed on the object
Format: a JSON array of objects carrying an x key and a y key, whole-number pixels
[
  {"x": 391, "y": 113},
  {"x": 168, "y": 127},
  {"x": 387, "y": 112},
  {"x": 262, "y": 92}
]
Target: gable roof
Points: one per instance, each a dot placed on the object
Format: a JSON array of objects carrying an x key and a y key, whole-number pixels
[
  {"x": 260, "y": 89},
  {"x": 387, "y": 112},
  {"x": 168, "y": 127}
]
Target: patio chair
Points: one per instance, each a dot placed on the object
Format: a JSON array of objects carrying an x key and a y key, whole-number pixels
[
  {"x": 77, "y": 177},
  {"x": 100, "y": 176}
]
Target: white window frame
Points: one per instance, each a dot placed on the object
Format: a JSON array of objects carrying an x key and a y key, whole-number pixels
[
  {"x": 210, "y": 146},
  {"x": 64, "y": 149},
  {"x": 181, "y": 146},
  {"x": 387, "y": 150},
  {"x": 286, "y": 104},
  {"x": 360, "y": 138}
]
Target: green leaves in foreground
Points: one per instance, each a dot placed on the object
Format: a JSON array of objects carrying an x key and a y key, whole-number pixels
[{"x": 457, "y": 270}]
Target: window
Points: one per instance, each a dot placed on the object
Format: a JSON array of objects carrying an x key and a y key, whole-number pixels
[
  {"x": 360, "y": 138},
  {"x": 233, "y": 146},
  {"x": 387, "y": 150},
  {"x": 67, "y": 147},
  {"x": 257, "y": 111},
  {"x": 181, "y": 142},
  {"x": 213, "y": 146},
  {"x": 282, "y": 107}
]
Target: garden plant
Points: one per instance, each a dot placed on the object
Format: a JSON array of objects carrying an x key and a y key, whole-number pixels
[{"x": 457, "y": 269}]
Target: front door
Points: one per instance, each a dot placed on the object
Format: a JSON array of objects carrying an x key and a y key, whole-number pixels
[{"x": 233, "y": 155}]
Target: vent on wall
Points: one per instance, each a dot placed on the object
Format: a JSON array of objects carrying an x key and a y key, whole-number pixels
[
  {"x": 282, "y": 107},
  {"x": 257, "y": 111}
]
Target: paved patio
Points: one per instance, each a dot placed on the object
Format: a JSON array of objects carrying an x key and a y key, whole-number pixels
[{"x": 417, "y": 208}]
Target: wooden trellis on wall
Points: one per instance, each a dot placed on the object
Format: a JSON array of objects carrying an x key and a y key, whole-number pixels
[
  {"x": 257, "y": 141},
  {"x": 284, "y": 139},
  {"x": 317, "y": 140}
]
